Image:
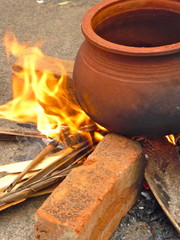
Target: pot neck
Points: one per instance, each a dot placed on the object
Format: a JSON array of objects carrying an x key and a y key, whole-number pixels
[{"x": 102, "y": 11}]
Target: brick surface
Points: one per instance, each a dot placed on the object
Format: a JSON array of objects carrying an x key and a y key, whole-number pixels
[{"x": 90, "y": 202}]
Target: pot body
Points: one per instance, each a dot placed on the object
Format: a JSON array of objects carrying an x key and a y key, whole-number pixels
[{"x": 129, "y": 90}]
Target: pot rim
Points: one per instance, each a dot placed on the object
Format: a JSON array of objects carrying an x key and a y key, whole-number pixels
[{"x": 95, "y": 39}]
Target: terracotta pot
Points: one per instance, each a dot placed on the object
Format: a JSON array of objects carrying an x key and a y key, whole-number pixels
[{"x": 127, "y": 71}]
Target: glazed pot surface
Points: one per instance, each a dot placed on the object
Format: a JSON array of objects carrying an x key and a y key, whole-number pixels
[{"x": 126, "y": 74}]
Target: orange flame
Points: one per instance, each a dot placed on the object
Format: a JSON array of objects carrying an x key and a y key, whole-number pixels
[
  {"x": 98, "y": 136},
  {"x": 39, "y": 96},
  {"x": 171, "y": 139}
]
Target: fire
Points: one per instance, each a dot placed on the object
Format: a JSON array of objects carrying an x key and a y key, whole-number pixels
[
  {"x": 98, "y": 136},
  {"x": 40, "y": 97},
  {"x": 171, "y": 139}
]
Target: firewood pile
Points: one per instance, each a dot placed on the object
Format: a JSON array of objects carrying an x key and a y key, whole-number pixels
[{"x": 41, "y": 175}]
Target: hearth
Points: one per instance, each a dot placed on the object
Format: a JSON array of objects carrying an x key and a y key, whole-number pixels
[{"x": 116, "y": 170}]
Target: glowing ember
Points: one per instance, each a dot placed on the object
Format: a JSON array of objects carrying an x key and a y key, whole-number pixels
[
  {"x": 40, "y": 97},
  {"x": 171, "y": 139}
]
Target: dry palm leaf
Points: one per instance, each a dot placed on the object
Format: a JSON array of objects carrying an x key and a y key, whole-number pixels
[{"x": 163, "y": 176}]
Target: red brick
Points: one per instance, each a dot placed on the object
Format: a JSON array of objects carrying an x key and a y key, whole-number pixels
[{"x": 91, "y": 201}]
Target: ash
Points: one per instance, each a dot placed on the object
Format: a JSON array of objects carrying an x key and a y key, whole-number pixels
[{"x": 145, "y": 221}]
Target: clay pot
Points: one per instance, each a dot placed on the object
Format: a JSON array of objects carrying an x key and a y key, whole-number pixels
[{"x": 127, "y": 71}]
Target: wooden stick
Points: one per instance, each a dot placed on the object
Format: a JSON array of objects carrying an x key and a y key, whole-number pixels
[
  {"x": 45, "y": 191},
  {"x": 46, "y": 165},
  {"x": 4, "y": 206},
  {"x": 61, "y": 163},
  {"x": 6, "y": 134},
  {"x": 18, "y": 167},
  {"x": 27, "y": 192},
  {"x": 8, "y": 179},
  {"x": 51, "y": 146}
]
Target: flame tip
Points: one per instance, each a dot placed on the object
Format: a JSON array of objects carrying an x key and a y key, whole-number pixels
[{"x": 171, "y": 139}]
